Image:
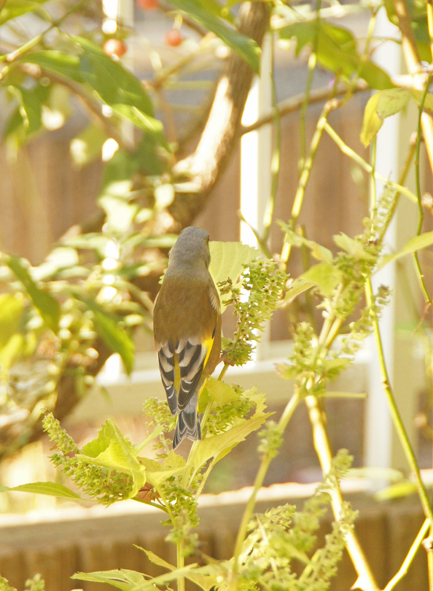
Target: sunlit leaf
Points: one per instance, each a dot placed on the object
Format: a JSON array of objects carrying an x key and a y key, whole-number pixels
[
  {"x": 15, "y": 8},
  {"x": 325, "y": 276},
  {"x": 219, "y": 445},
  {"x": 380, "y": 106},
  {"x": 47, "y": 306},
  {"x": 58, "y": 62},
  {"x": 300, "y": 285},
  {"x": 112, "y": 450},
  {"x": 318, "y": 251},
  {"x": 396, "y": 491},
  {"x": 119, "y": 88},
  {"x": 228, "y": 260},
  {"x": 336, "y": 50},
  {"x": 129, "y": 580},
  {"x": 413, "y": 245},
  {"x": 354, "y": 247},
  {"x": 428, "y": 101},
  {"x": 199, "y": 11},
  {"x": 52, "y": 489}
]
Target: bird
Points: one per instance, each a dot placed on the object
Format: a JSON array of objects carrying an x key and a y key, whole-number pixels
[{"x": 187, "y": 329}]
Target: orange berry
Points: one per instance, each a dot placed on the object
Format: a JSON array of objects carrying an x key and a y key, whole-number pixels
[
  {"x": 147, "y": 4},
  {"x": 173, "y": 38},
  {"x": 114, "y": 47}
]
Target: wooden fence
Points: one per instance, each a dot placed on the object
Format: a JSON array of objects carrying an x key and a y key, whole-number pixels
[{"x": 87, "y": 540}]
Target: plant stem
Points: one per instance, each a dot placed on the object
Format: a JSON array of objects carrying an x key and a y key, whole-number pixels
[
  {"x": 365, "y": 579},
  {"x": 180, "y": 564},
  {"x": 402, "y": 571},
  {"x": 260, "y": 476},
  {"x": 305, "y": 174},
  {"x": 395, "y": 414},
  {"x": 363, "y": 164},
  {"x": 418, "y": 193}
]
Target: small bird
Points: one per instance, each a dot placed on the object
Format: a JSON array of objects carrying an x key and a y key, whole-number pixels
[{"x": 187, "y": 329}]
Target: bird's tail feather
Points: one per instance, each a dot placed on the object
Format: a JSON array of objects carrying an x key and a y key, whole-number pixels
[{"x": 188, "y": 423}]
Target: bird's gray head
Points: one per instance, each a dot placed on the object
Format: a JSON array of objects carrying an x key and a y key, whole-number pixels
[{"x": 192, "y": 247}]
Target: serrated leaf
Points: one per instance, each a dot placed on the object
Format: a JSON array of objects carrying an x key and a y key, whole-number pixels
[
  {"x": 300, "y": 285},
  {"x": 324, "y": 276},
  {"x": 129, "y": 580},
  {"x": 113, "y": 335},
  {"x": 112, "y": 450},
  {"x": 219, "y": 392},
  {"x": 47, "y": 306},
  {"x": 413, "y": 245},
  {"x": 228, "y": 260},
  {"x": 120, "y": 89},
  {"x": 318, "y": 251},
  {"x": 52, "y": 489},
  {"x": 156, "y": 559},
  {"x": 355, "y": 248},
  {"x": 199, "y": 11},
  {"x": 218, "y": 446}
]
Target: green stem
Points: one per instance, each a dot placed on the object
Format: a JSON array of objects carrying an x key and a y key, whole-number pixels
[
  {"x": 401, "y": 180},
  {"x": 365, "y": 165},
  {"x": 180, "y": 564},
  {"x": 275, "y": 162},
  {"x": 395, "y": 414},
  {"x": 366, "y": 579},
  {"x": 305, "y": 174},
  {"x": 402, "y": 571},
  {"x": 16, "y": 54},
  {"x": 373, "y": 196},
  {"x": 418, "y": 193},
  {"x": 260, "y": 476}
]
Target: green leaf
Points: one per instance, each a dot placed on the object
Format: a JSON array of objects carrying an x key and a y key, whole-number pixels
[
  {"x": 113, "y": 335},
  {"x": 228, "y": 259},
  {"x": 428, "y": 102},
  {"x": 219, "y": 392},
  {"x": 380, "y": 106},
  {"x": 336, "y": 51},
  {"x": 44, "y": 488},
  {"x": 199, "y": 10},
  {"x": 156, "y": 559},
  {"x": 318, "y": 251},
  {"x": 325, "y": 276},
  {"x": 30, "y": 108},
  {"x": 12, "y": 341},
  {"x": 396, "y": 491},
  {"x": 112, "y": 450},
  {"x": 354, "y": 247},
  {"x": 299, "y": 285},
  {"x": 47, "y": 306},
  {"x": 120, "y": 89},
  {"x": 218, "y": 446},
  {"x": 129, "y": 580},
  {"x": 413, "y": 245},
  {"x": 15, "y": 8},
  {"x": 64, "y": 64}
]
